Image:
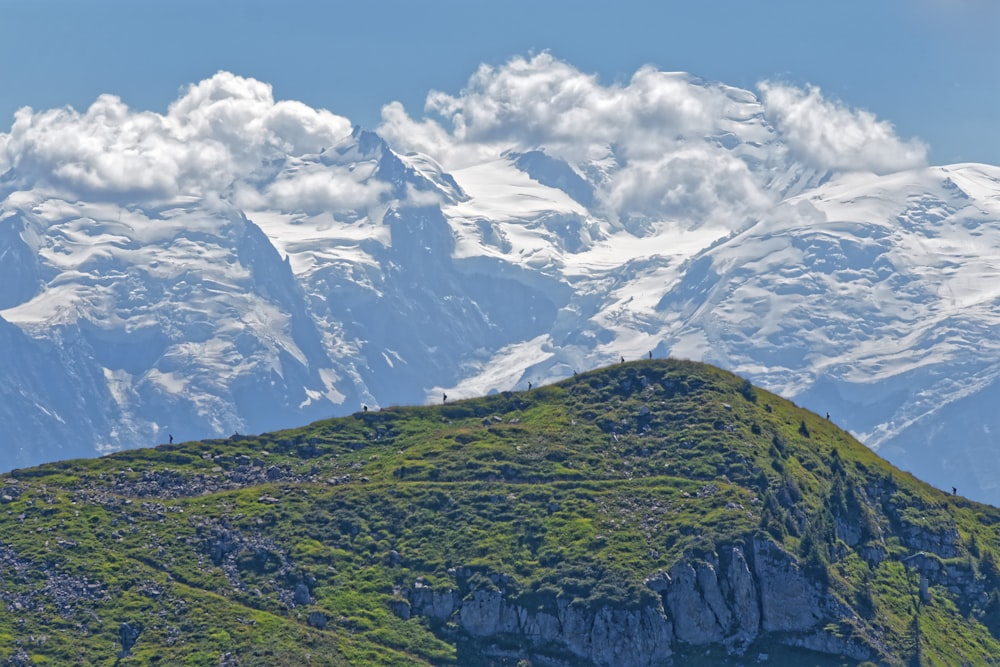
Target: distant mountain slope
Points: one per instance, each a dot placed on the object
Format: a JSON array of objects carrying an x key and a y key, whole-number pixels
[
  {"x": 648, "y": 513},
  {"x": 870, "y": 297},
  {"x": 177, "y": 319},
  {"x": 321, "y": 268},
  {"x": 874, "y": 299}
]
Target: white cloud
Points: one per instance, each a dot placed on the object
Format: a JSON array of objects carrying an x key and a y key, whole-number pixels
[
  {"x": 220, "y": 131},
  {"x": 427, "y": 136},
  {"x": 696, "y": 184},
  {"x": 659, "y": 146},
  {"x": 652, "y": 129},
  {"x": 321, "y": 188},
  {"x": 545, "y": 102},
  {"x": 241, "y": 114},
  {"x": 108, "y": 148},
  {"x": 829, "y": 135}
]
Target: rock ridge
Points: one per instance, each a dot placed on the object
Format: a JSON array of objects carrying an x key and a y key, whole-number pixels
[{"x": 732, "y": 597}]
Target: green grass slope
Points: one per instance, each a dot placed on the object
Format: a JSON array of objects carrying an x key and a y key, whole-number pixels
[{"x": 305, "y": 546}]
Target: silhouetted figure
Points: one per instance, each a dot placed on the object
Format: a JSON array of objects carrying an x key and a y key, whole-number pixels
[
  {"x": 828, "y": 416},
  {"x": 529, "y": 386},
  {"x": 954, "y": 491},
  {"x": 364, "y": 407},
  {"x": 444, "y": 398},
  {"x": 623, "y": 360},
  {"x": 650, "y": 354},
  {"x": 171, "y": 438}
]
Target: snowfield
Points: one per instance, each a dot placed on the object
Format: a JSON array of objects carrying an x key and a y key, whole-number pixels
[{"x": 345, "y": 272}]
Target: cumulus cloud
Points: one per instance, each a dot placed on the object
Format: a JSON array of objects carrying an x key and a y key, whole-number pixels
[
  {"x": 106, "y": 148},
  {"x": 322, "y": 188},
  {"x": 242, "y": 115},
  {"x": 829, "y": 135},
  {"x": 658, "y": 146},
  {"x": 543, "y": 101},
  {"x": 647, "y": 144},
  {"x": 695, "y": 183},
  {"x": 218, "y": 132}
]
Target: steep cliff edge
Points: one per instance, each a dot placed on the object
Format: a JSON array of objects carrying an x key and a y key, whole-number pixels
[{"x": 727, "y": 601}]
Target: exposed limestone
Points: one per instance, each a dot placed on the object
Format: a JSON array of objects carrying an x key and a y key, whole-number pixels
[
  {"x": 788, "y": 600},
  {"x": 436, "y": 605},
  {"x": 732, "y": 598},
  {"x": 741, "y": 590},
  {"x": 694, "y": 622},
  {"x": 605, "y": 636}
]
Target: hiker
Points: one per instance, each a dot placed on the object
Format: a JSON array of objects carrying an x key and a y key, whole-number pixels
[
  {"x": 171, "y": 438},
  {"x": 444, "y": 398}
]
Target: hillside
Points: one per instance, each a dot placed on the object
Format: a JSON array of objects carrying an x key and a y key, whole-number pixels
[{"x": 648, "y": 513}]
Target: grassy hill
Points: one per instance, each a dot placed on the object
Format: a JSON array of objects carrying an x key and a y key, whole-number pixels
[{"x": 656, "y": 512}]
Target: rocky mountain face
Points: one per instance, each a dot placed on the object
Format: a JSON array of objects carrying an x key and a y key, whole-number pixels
[
  {"x": 725, "y": 603},
  {"x": 648, "y": 514},
  {"x": 176, "y": 320},
  {"x": 356, "y": 274}
]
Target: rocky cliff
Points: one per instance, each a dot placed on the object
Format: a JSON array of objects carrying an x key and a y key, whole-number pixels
[{"x": 733, "y": 599}]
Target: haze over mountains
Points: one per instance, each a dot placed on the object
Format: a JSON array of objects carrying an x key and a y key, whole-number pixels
[{"x": 242, "y": 264}]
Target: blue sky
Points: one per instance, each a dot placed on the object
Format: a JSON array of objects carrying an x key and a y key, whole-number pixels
[{"x": 930, "y": 67}]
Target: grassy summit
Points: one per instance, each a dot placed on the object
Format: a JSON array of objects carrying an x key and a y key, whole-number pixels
[{"x": 331, "y": 544}]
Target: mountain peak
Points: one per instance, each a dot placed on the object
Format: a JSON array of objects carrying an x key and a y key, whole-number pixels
[
  {"x": 676, "y": 509},
  {"x": 368, "y": 142}
]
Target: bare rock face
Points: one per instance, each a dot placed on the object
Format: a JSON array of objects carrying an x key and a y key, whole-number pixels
[
  {"x": 485, "y": 614},
  {"x": 605, "y": 636},
  {"x": 638, "y": 637},
  {"x": 436, "y": 605},
  {"x": 731, "y": 598},
  {"x": 694, "y": 620},
  {"x": 789, "y": 602},
  {"x": 742, "y": 591},
  {"x": 715, "y": 601}
]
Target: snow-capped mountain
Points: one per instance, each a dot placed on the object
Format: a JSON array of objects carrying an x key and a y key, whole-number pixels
[
  {"x": 175, "y": 320},
  {"x": 334, "y": 270},
  {"x": 875, "y": 299}
]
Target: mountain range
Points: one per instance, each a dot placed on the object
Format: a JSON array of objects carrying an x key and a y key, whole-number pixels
[{"x": 358, "y": 274}]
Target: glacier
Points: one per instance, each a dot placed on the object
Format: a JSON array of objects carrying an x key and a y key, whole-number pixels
[{"x": 326, "y": 277}]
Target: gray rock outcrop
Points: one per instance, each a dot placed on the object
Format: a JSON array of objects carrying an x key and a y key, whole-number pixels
[
  {"x": 604, "y": 636},
  {"x": 789, "y": 602},
  {"x": 733, "y": 598}
]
